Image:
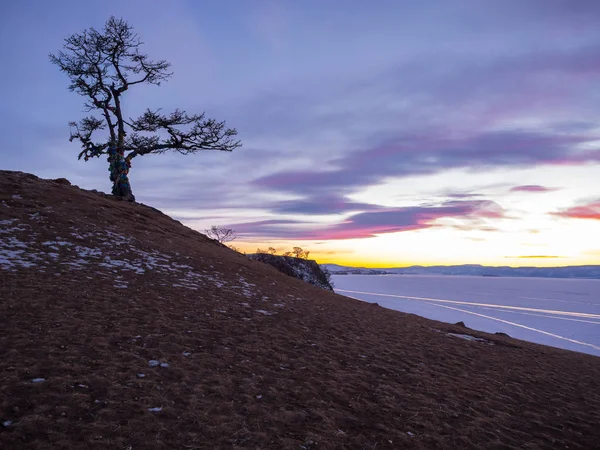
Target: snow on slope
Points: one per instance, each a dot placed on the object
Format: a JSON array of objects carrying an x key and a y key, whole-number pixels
[{"x": 22, "y": 247}]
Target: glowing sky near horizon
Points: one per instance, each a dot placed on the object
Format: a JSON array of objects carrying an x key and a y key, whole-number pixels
[{"x": 378, "y": 133}]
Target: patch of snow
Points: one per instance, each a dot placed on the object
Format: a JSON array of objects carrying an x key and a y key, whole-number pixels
[
  {"x": 262, "y": 311},
  {"x": 58, "y": 242},
  {"x": 186, "y": 353},
  {"x": 153, "y": 363},
  {"x": 468, "y": 337},
  {"x": 141, "y": 375},
  {"x": 14, "y": 242},
  {"x": 38, "y": 380},
  {"x": 7, "y": 423},
  {"x": 155, "y": 409},
  {"x": 164, "y": 364},
  {"x": 186, "y": 286},
  {"x": 17, "y": 197},
  {"x": 86, "y": 252}
]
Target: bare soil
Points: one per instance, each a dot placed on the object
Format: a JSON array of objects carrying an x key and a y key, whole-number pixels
[{"x": 256, "y": 359}]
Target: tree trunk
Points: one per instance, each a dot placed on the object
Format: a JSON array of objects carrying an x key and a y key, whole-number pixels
[{"x": 119, "y": 168}]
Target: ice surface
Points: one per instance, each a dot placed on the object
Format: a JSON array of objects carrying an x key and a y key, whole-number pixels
[{"x": 558, "y": 312}]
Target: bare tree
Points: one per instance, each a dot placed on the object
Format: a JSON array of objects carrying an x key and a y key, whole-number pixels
[
  {"x": 102, "y": 66},
  {"x": 272, "y": 251},
  {"x": 221, "y": 234},
  {"x": 298, "y": 252}
]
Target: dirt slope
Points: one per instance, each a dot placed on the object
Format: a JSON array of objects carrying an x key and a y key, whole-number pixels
[{"x": 94, "y": 291}]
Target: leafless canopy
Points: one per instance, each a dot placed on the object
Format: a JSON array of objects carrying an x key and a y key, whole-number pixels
[
  {"x": 221, "y": 234},
  {"x": 101, "y": 66}
]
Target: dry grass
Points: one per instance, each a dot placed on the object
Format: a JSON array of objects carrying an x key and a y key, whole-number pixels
[{"x": 323, "y": 372}]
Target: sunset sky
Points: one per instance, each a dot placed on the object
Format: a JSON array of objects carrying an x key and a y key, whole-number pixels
[{"x": 375, "y": 133}]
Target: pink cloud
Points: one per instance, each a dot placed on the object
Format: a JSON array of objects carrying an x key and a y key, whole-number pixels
[{"x": 588, "y": 211}]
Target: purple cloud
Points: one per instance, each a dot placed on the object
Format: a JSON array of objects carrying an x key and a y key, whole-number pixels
[
  {"x": 321, "y": 205},
  {"x": 532, "y": 188},
  {"x": 421, "y": 154},
  {"x": 372, "y": 223}
]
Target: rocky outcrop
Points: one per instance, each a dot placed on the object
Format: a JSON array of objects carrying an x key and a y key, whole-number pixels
[{"x": 306, "y": 270}]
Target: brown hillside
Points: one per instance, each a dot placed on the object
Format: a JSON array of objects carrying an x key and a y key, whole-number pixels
[{"x": 92, "y": 290}]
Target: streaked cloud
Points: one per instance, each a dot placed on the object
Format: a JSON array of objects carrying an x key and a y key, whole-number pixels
[
  {"x": 370, "y": 224},
  {"x": 532, "y": 188}
]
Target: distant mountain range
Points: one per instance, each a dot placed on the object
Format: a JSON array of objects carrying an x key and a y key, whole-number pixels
[{"x": 475, "y": 270}]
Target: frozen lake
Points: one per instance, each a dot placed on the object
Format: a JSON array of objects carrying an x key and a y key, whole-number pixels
[{"x": 562, "y": 313}]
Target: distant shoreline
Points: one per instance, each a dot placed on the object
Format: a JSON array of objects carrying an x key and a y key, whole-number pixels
[{"x": 574, "y": 272}]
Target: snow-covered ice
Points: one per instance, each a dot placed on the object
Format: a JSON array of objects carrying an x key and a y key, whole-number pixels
[{"x": 558, "y": 312}]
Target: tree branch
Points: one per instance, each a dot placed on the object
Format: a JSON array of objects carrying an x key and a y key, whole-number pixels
[{"x": 186, "y": 133}]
